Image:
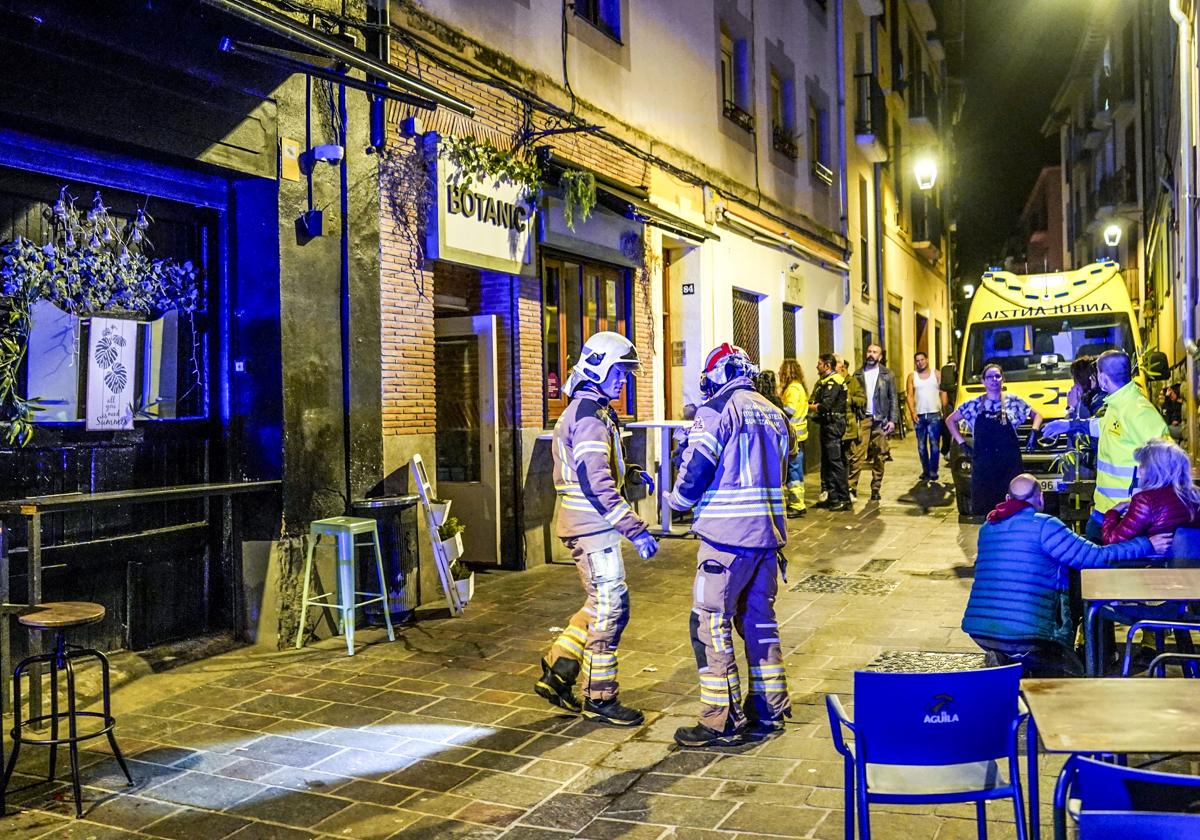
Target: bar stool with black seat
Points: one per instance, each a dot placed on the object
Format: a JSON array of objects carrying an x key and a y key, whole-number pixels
[{"x": 60, "y": 617}]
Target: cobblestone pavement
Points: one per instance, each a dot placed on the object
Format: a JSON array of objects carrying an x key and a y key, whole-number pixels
[{"x": 439, "y": 735}]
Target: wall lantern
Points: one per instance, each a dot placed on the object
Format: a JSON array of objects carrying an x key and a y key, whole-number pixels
[
  {"x": 1112, "y": 235},
  {"x": 926, "y": 172}
]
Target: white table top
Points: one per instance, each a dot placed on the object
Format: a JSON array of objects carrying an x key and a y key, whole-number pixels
[{"x": 660, "y": 424}]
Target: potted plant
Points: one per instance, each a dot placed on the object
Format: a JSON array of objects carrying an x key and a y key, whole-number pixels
[
  {"x": 464, "y": 580},
  {"x": 450, "y": 535},
  {"x": 440, "y": 508}
]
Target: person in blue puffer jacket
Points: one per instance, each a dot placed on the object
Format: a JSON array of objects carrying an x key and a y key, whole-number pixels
[{"x": 1017, "y": 611}]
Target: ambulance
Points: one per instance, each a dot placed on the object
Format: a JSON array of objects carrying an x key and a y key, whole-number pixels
[{"x": 1034, "y": 326}]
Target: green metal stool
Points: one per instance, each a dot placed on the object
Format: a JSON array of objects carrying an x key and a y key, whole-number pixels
[{"x": 346, "y": 530}]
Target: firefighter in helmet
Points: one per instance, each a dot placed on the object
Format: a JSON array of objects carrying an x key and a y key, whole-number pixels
[
  {"x": 589, "y": 473},
  {"x": 732, "y": 474}
]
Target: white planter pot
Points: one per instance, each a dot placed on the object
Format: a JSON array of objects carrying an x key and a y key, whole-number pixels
[
  {"x": 453, "y": 547},
  {"x": 466, "y": 588},
  {"x": 440, "y": 511}
]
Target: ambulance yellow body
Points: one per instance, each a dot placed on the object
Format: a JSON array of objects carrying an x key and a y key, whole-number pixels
[{"x": 1034, "y": 326}]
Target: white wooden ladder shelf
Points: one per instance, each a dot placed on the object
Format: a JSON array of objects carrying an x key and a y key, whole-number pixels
[{"x": 440, "y": 554}]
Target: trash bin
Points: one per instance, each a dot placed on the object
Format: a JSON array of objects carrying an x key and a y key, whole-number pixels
[{"x": 396, "y": 521}]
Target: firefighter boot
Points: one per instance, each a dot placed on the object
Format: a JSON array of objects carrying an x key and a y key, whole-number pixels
[
  {"x": 702, "y": 736},
  {"x": 556, "y": 683},
  {"x": 612, "y": 713}
]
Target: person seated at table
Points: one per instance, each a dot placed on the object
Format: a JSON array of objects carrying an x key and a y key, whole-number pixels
[
  {"x": 1165, "y": 497},
  {"x": 1017, "y": 611}
]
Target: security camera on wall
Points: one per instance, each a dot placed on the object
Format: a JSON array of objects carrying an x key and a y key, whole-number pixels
[{"x": 330, "y": 153}]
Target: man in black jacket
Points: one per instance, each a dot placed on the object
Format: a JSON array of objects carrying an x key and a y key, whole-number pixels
[
  {"x": 883, "y": 407},
  {"x": 828, "y": 409}
]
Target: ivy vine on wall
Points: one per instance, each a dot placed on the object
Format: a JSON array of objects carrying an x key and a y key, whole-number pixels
[
  {"x": 95, "y": 263},
  {"x": 579, "y": 195}
]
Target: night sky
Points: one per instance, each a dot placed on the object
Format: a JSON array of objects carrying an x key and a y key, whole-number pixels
[{"x": 1017, "y": 54}]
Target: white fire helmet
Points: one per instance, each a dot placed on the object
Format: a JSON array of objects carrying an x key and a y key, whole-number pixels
[
  {"x": 599, "y": 354},
  {"x": 723, "y": 364}
]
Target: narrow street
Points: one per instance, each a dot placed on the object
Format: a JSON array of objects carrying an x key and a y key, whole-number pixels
[{"x": 438, "y": 735}]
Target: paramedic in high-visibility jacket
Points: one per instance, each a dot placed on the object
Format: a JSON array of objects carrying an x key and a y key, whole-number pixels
[
  {"x": 589, "y": 472},
  {"x": 1129, "y": 420},
  {"x": 733, "y": 474}
]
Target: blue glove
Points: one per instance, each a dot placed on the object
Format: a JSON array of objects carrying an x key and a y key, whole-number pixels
[
  {"x": 648, "y": 480},
  {"x": 1031, "y": 443},
  {"x": 646, "y": 545}
]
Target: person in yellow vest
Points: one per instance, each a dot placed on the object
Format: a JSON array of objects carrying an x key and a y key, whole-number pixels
[
  {"x": 795, "y": 406},
  {"x": 1129, "y": 421}
]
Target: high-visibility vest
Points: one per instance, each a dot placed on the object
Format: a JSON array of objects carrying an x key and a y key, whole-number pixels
[
  {"x": 796, "y": 398},
  {"x": 1129, "y": 421}
]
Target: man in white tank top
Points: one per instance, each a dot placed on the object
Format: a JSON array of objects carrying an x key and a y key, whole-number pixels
[{"x": 925, "y": 408}]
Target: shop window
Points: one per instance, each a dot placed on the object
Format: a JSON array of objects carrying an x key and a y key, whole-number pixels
[
  {"x": 170, "y": 373},
  {"x": 791, "y": 314},
  {"x": 745, "y": 323},
  {"x": 579, "y": 299},
  {"x": 605, "y": 15}
]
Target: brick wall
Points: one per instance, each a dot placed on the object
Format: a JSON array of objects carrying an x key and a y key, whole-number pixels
[
  {"x": 406, "y": 317},
  {"x": 407, "y": 290}
]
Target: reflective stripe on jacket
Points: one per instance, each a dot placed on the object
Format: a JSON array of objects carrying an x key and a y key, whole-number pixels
[
  {"x": 1129, "y": 420},
  {"x": 589, "y": 470},
  {"x": 795, "y": 398},
  {"x": 734, "y": 468}
]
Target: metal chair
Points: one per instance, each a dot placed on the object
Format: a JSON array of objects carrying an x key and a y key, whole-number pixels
[
  {"x": 1137, "y": 825},
  {"x": 1185, "y": 654},
  {"x": 1093, "y": 785},
  {"x": 931, "y": 739}
]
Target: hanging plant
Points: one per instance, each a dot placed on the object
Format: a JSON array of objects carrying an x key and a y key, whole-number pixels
[
  {"x": 479, "y": 160},
  {"x": 647, "y": 263},
  {"x": 94, "y": 263},
  {"x": 579, "y": 195}
]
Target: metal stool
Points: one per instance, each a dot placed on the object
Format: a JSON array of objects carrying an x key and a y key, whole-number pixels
[
  {"x": 345, "y": 529},
  {"x": 60, "y": 617}
]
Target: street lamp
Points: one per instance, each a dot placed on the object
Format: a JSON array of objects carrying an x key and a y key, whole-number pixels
[
  {"x": 1112, "y": 235},
  {"x": 926, "y": 171},
  {"x": 968, "y": 290}
]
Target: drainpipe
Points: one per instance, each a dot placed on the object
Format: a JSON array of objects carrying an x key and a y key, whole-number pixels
[
  {"x": 877, "y": 186},
  {"x": 843, "y": 214},
  {"x": 1186, "y": 193}
]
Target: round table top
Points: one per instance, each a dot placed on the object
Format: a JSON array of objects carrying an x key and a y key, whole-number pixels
[{"x": 56, "y": 614}]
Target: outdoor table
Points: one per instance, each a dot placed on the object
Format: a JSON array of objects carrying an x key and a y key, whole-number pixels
[
  {"x": 1109, "y": 716},
  {"x": 1102, "y": 587},
  {"x": 666, "y": 429},
  {"x": 33, "y": 508}
]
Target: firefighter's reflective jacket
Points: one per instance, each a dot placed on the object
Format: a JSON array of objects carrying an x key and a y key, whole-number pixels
[
  {"x": 734, "y": 468},
  {"x": 589, "y": 470}
]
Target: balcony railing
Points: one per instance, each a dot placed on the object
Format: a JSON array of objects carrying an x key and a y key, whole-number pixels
[
  {"x": 1104, "y": 98},
  {"x": 739, "y": 116},
  {"x": 783, "y": 142},
  {"x": 926, "y": 227},
  {"x": 870, "y": 117},
  {"x": 923, "y": 100},
  {"x": 822, "y": 173},
  {"x": 870, "y": 110},
  {"x": 1117, "y": 189}
]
